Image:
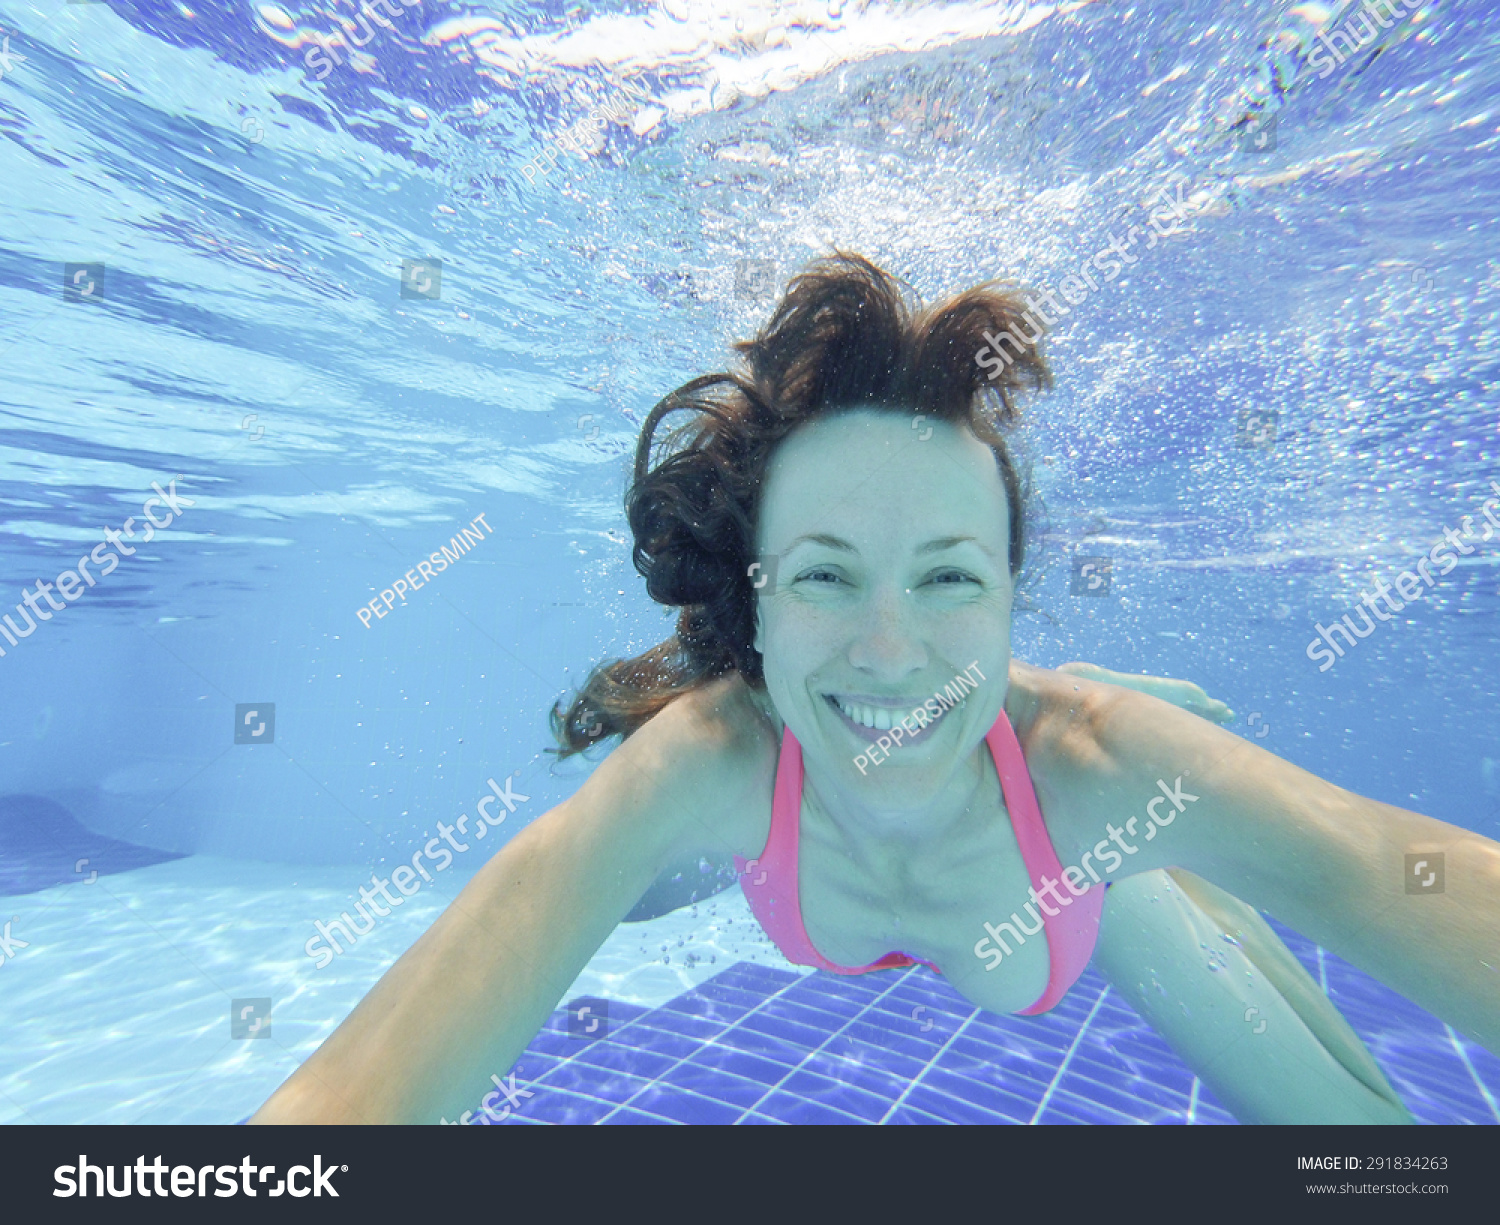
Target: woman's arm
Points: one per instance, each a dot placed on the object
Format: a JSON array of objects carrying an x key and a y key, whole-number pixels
[
  {"x": 1168, "y": 688},
  {"x": 1334, "y": 865},
  {"x": 462, "y": 1003},
  {"x": 1214, "y": 980}
]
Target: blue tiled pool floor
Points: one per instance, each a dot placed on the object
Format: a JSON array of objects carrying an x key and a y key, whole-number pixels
[{"x": 760, "y": 1045}]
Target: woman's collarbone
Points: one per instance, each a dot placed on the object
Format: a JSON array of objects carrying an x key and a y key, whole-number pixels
[{"x": 938, "y": 912}]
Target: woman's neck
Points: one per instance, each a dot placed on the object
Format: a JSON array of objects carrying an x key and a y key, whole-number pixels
[
  {"x": 891, "y": 841},
  {"x": 868, "y": 831}
]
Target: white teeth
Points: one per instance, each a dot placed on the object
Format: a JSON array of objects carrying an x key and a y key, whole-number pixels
[{"x": 880, "y": 718}]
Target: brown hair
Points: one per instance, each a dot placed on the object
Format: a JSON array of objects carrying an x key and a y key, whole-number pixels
[{"x": 843, "y": 337}]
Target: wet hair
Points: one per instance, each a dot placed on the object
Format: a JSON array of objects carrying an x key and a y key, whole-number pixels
[{"x": 842, "y": 338}]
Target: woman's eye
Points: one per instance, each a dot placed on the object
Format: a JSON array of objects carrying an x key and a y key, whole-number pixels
[
  {"x": 818, "y": 576},
  {"x": 953, "y": 576}
]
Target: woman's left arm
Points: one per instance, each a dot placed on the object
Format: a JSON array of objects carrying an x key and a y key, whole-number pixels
[
  {"x": 1130, "y": 783},
  {"x": 1168, "y": 688}
]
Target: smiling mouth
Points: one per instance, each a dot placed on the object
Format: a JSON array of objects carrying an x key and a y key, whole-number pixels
[{"x": 869, "y": 722}]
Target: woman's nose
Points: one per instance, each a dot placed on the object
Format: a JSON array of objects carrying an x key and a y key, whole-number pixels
[{"x": 886, "y": 642}]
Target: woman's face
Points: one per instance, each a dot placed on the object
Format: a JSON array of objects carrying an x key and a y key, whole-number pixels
[{"x": 892, "y": 580}]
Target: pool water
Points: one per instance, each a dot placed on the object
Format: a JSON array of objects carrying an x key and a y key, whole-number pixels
[
  {"x": 702, "y": 1022},
  {"x": 335, "y": 317}
]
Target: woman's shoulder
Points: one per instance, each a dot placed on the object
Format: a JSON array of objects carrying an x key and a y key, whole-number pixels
[
  {"x": 716, "y": 747},
  {"x": 725, "y": 717},
  {"x": 1057, "y": 716}
]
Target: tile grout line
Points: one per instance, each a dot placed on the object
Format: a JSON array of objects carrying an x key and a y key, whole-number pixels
[
  {"x": 1068, "y": 1058},
  {"x": 615, "y": 1107},
  {"x": 1464, "y": 1056},
  {"x": 564, "y": 1060},
  {"x": 735, "y": 1024},
  {"x": 583, "y": 1050},
  {"x": 860, "y": 1015},
  {"x": 929, "y": 1065},
  {"x": 645, "y": 1013},
  {"x": 589, "y": 1097}
]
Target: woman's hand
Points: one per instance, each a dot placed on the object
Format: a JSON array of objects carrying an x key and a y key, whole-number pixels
[{"x": 1180, "y": 693}]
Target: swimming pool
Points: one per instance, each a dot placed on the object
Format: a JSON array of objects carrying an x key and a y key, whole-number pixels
[{"x": 365, "y": 330}]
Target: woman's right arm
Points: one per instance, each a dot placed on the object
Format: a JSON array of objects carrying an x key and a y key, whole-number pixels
[
  {"x": 462, "y": 1003},
  {"x": 1334, "y": 865}
]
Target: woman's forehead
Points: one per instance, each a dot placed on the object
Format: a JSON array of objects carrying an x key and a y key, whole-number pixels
[{"x": 877, "y": 472}]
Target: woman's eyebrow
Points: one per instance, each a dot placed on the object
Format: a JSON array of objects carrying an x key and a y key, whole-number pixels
[
  {"x": 932, "y": 546},
  {"x": 949, "y": 542},
  {"x": 832, "y": 542}
]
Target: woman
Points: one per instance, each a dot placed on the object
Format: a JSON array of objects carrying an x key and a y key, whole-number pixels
[{"x": 842, "y": 527}]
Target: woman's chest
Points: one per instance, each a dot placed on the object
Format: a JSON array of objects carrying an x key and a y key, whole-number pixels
[{"x": 933, "y": 904}]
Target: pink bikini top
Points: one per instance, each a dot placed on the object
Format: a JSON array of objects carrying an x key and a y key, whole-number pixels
[{"x": 770, "y": 882}]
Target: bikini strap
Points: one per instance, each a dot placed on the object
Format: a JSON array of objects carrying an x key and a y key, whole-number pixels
[
  {"x": 1073, "y": 926},
  {"x": 770, "y": 881}
]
